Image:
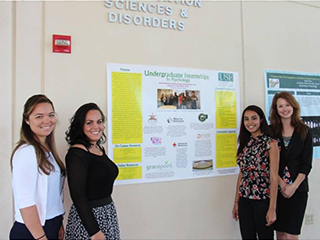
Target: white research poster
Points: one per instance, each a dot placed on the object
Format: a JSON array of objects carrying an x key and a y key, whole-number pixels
[
  {"x": 168, "y": 123},
  {"x": 305, "y": 87}
]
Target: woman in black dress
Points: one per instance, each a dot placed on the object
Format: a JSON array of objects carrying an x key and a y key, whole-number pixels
[
  {"x": 91, "y": 175},
  {"x": 295, "y": 164}
]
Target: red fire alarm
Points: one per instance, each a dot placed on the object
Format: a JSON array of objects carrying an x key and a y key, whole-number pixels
[{"x": 61, "y": 43}]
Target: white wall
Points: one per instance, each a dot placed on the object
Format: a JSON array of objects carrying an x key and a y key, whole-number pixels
[
  {"x": 245, "y": 37},
  {"x": 6, "y": 115}
]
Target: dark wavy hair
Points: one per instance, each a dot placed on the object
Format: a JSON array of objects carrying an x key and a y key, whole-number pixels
[
  {"x": 296, "y": 121},
  {"x": 27, "y": 136},
  {"x": 75, "y": 134},
  {"x": 244, "y": 134}
]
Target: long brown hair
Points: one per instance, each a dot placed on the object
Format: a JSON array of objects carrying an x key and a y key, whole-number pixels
[
  {"x": 296, "y": 122},
  {"x": 27, "y": 136}
]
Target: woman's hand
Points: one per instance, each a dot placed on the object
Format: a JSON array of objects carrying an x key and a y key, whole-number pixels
[
  {"x": 282, "y": 184},
  {"x": 98, "y": 236},
  {"x": 271, "y": 217},
  {"x": 61, "y": 233},
  {"x": 235, "y": 211},
  {"x": 288, "y": 191}
]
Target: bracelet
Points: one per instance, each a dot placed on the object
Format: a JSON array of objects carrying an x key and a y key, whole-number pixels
[
  {"x": 236, "y": 201},
  {"x": 40, "y": 237}
]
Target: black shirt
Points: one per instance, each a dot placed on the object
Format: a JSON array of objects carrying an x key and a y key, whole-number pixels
[
  {"x": 90, "y": 177},
  {"x": 297, "y": 157}
]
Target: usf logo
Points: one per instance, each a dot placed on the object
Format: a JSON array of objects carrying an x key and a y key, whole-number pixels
[{"x": 225, "y": 77}]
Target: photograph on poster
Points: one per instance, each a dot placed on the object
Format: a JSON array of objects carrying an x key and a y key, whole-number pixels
[
  {"x": 274, "y": 83},
  {"x": 178, "y": 99},
  {"x": 201, "y": 165}
]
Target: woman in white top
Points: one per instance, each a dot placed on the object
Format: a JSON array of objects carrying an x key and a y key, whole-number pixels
[{"x": 38, "y": 175}]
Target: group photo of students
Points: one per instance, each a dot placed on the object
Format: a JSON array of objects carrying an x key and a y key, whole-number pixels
[
  {"x": 178, "y": 99},
  {"x": 271, "y": 190},
  {"x": 159, "y": 120}
]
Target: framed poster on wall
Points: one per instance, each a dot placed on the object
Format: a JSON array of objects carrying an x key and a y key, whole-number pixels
[
  {"x": 305, "y": 87},
  {"x": 169, "y": 123}
]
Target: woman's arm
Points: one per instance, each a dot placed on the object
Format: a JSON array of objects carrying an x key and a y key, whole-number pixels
[
  {"x": 31, "y": 220},
  {"x": 98, "y": 236},
  {"x": 235, "y": 213},
  {"x": 274, "y": 168},
  {"x": 289, "y": 190},
  {"x": 25, "y": 174},
  {"x": 306, "y": 155},
  {"x": 304, "y": 168},
  {"x": 77, "y": 169},
  {"x": 281, "y": 183}
]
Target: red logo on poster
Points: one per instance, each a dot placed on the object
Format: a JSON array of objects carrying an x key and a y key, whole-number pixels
[{"x": 61, "y": 44}]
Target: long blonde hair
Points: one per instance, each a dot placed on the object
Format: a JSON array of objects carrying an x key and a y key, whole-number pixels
[{"x": 27, "y": 136}]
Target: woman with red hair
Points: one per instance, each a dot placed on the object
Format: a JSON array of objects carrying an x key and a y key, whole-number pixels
[{"x": 295, "y": 164}]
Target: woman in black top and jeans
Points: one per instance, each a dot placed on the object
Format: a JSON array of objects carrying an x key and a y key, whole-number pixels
[{"x": 91, "y": 175}]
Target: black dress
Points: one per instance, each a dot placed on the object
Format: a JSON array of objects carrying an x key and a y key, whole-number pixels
[
  {"x": 91, "y": 178},
  {"x": 295, "y": 158}
]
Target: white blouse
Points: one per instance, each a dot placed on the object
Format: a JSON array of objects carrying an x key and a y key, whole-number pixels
[{"x": 32, "y": 187}]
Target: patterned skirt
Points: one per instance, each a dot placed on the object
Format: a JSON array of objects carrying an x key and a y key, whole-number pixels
[{"x": 106, "y": 217}]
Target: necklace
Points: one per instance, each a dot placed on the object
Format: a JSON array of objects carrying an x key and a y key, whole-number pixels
[{"x": 96, "y": 149}]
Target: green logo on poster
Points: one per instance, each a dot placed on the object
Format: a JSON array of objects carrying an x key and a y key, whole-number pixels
[
  {"x": 202, "y": 117},
  {"x": 226, "y": 77}
]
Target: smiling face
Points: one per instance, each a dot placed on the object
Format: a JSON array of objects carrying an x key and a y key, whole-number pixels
[
  {"x": 42, "y": 120},
  {"x": 284, "y": 109},
  {"x": 252, "y": 122},
  {"x": 93, "y": 126}
]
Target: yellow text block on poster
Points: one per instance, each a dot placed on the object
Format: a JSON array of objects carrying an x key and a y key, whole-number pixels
[
  {"x": 127, "y": 155},
  {"x": 126, "y": 107},
  {"x": 226, "y": 109},
  {"x": 226, "y": 150},
  {"x": 130, "y": 173}
]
